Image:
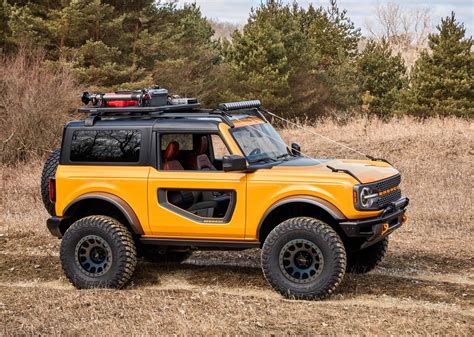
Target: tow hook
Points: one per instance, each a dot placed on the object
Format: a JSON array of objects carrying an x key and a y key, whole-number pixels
[{"x": 378, "y": 232}]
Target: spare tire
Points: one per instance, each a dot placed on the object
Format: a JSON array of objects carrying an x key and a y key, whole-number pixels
[{"x": 49, "y": 171}]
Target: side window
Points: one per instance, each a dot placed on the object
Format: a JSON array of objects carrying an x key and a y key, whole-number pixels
[
  {"x": 185, "y": 141},
  {"x": 219, "y": 148},
  {"x": 192, "y": 151},
  {"x": 117, "y": 146}
]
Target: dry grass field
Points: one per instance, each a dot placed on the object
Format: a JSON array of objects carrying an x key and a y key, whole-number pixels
[{"x": 424, "y": 286}]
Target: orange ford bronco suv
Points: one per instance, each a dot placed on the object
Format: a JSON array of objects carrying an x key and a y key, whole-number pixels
[{"x": 164, "y": 180}]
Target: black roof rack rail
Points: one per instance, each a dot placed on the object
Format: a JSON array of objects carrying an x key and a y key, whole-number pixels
[
  {"x": 224, "y": 113},
  {"x": 137, "y": 110},
  {"x": 154, "y": 112}
]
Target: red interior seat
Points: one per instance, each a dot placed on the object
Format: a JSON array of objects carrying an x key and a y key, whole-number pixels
[
  {"x": 170, "y": 157},
  {"x": 199, "y": 160}
]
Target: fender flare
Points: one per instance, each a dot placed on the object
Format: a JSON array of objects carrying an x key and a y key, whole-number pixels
[
  {"x": 315, "y": 201},
  {"x": 118, "y": 202}
]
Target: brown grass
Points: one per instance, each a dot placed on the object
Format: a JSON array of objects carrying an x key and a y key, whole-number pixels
[
  {"x": 424, "y": 286},
  {"x": 35, "y": 101}
]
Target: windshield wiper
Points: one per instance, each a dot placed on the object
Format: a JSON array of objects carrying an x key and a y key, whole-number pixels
[
  {"x": 284, "y": 156},
  {"x": 264, "y": 160}
]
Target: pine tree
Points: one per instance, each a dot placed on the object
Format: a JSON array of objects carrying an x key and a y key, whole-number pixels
[
  {"x": 442, "y": 80},
  {"x": 179, "y": 50},
  {"x": 4, "y": 29},
  {"x": 381, "y": 76},
  {"x": 298, "y": 61},
  {"x": 259, "y": 56},
  {"x": 325, "y": 76}
]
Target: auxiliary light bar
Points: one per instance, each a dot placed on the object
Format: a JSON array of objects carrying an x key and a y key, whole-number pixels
[{"x": 240, "y": 105}]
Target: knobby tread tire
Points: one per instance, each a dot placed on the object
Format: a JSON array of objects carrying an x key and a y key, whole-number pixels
[
  {"x": 306, "y": 228},
  {"x": 122, "y": 245},
  {"x": 367, "y": 259},
  {"x": 49, "y": 171}
]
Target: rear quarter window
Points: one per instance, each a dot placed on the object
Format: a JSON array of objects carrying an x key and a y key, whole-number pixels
[{"x": 114, "y": 146}]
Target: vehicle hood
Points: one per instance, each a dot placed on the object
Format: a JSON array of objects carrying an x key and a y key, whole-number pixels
[{"x": 366, "y": 171}]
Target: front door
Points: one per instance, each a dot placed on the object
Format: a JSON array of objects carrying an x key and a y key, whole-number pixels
[{"x": 189, "y": 196}]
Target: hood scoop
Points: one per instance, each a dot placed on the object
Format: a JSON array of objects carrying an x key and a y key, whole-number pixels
[
  {"x": 343, "y": 171},
  {"x": 362, "y": 171}
]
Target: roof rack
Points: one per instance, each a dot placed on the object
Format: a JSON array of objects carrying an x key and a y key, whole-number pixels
[{"x": 224, "y": 113}]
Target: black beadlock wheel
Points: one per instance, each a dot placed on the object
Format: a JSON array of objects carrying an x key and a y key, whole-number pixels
[
  {"x": 365, "y": 260},
  {"x": 304, "y": 258},
  {"x": 98, "y": 252},
  {"x": 49, "y": 171}
]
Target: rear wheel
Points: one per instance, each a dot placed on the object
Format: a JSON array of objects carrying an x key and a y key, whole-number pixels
[
  {"x": 98, "y": 252},
  {"x": 49, "y": 171},
  {"x": 367, "y": 259},
  {"x": 303, "y": 258}
]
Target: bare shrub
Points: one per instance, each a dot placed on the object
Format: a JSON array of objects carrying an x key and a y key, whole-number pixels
[
  {"x": 35, "y": 102},
  {"x": 224, "y": 30},
  {"x": 405, "y": 29}
]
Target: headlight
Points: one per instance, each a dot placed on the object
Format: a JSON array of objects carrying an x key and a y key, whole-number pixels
[{"x": 366, "y": 198}]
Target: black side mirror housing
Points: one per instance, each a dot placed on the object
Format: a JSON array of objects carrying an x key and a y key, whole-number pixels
[
  {"x": 234, "y": 163},
  {"x": 295, "y": 149}
]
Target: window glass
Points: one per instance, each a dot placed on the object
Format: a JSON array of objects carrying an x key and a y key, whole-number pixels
[
  {"x": 260, "y": 143},
  {"x": 196, "y": 151},
  {"x": 218, "y": 146},
  {"x": 105, "y": 146},
  {"x": 185, "y": 141}
]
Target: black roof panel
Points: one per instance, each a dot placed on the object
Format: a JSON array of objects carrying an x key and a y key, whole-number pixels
[{"x": 185, "y": 124}]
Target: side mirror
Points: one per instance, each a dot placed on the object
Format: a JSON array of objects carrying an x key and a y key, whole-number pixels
[
  {"x": 234, "y": 163},
  {"x": 296, "y": 149}
]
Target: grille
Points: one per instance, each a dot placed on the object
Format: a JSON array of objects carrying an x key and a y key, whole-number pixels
[
  {"x": 388, "y": 198},
  {"x": 385, "y": 185}
]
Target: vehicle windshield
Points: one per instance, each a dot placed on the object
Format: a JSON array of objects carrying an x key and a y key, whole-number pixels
[{"x": 260, "y": 143}]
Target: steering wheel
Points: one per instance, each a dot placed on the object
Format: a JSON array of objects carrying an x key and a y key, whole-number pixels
[{"x": 255, "y": 152}]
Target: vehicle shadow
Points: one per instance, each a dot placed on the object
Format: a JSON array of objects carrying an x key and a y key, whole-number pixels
[
  {"x": 406, "y": 287},
  {"x": 229, "y": 274},
  {"x": 241, "y": 272}
]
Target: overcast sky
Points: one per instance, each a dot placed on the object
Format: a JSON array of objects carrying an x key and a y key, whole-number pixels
[{"x": 360, "y": 11}]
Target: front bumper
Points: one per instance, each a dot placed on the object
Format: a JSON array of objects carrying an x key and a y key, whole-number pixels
[{"x": 375, "y": 229}]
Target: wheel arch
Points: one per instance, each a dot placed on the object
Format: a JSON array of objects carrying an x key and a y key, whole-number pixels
[
  {"x": 102, "y": 203},
  {"x": 298, "y": 206}
]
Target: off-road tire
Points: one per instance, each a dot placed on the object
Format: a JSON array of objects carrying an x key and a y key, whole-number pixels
[
  {"x": 330, "y": 246},
  {"x": 122, "y": 248},
  {"x": 153, "y": 254},
  {"x": 367, "y": 259},
  {"x": 49, "y": 171}
]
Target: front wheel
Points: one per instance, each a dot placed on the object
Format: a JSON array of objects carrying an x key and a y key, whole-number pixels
[
  {"x": 304, "y": 258},
  {"x": 98, "y": 252}
]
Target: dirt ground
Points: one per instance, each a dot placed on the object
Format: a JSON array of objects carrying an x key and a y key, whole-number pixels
[{"x": 424, "y": 286}]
